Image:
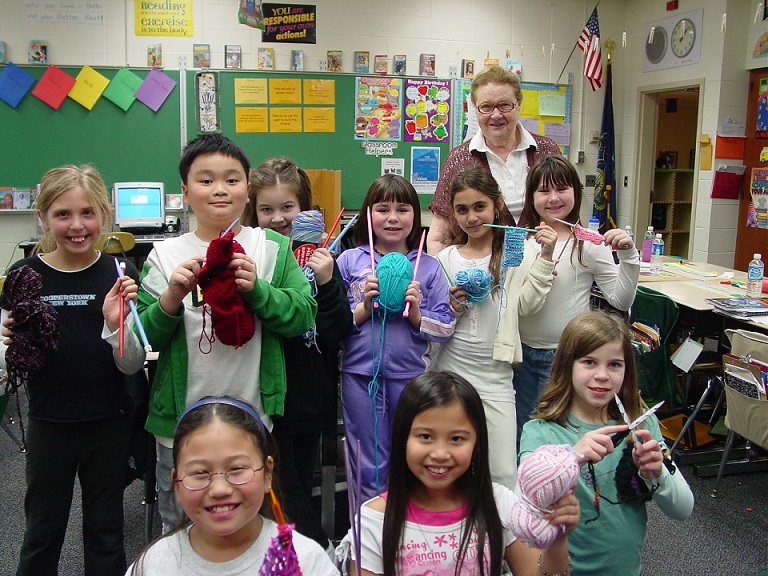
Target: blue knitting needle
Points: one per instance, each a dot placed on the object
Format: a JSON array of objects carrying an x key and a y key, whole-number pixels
[
  {"x": 510, "y": 227},
  {"x": 349, "y": 225},
  {"x": 132, "y": 304},
  {"x": 235, "y": 221}
]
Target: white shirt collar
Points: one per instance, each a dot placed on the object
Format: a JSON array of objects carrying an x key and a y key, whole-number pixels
[{"x": 478, "y": 141}]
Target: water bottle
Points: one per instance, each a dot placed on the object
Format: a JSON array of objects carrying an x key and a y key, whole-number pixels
[
  {"x": 657, "y": 251},
  {"x": 628, "y": 230},
  {"x": 755, "y": 277},
  {"x": 647, "y": 244},
  {"x": 594, "y": 224}
]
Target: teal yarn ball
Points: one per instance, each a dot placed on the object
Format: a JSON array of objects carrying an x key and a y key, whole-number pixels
[{"x": 395, "y": 273}]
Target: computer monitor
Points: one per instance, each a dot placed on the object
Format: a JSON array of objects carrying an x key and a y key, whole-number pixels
[{"x": 139, "y": 206}]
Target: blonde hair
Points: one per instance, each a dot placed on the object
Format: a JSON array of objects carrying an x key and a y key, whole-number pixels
[
  {"x": 58, "y": 181},
  {"x": 497, "y": 75}
]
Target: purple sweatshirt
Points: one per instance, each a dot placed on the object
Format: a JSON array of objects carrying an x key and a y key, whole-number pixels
[{"x": 405, "y": 349}]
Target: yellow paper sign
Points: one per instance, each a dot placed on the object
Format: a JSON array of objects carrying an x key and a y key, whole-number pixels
[
  {"x": 285, "y": 119},
  {"x": 249, "y": 119},
  {"x": 88, "y": 87},
  {"x": 285, "y": 91},
  {"x": 250, "y": 90},
  {"x": 319, "y": 119},
  {"x": 320, "y": 92}
]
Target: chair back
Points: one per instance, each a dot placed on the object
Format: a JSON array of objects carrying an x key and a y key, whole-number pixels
[
  {"x": 119, "y": 243},
  {"x": 655, "y": 372},
  {"x": 746, "y": 416}
]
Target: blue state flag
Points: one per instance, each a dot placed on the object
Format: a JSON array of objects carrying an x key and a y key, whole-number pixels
[{"x": 605, "y": 182}]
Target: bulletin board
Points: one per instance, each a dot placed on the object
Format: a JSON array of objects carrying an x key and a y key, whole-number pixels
[
  {"x": 331, "y": 150},
  {"x": 138, "y": 144}
]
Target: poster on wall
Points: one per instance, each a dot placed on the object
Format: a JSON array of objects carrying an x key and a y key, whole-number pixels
[
  {"x": 425, "y": 169},
  {"x": 163, "y": 18},
  {"x": 427, "y": 110},
  {"x": 757, "y": 214},
  {"x": 289, "y": 23},
  {"x": 377, "y": 108},
  {"x": 762, "y": 114}
]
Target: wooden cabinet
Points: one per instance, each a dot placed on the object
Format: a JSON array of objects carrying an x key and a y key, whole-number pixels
[{"x": 671, "y": 205}]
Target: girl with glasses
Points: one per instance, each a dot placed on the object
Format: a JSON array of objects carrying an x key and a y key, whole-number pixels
[{"x": 223, "y": 460}]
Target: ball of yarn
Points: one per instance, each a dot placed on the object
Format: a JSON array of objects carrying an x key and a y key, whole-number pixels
[
  {"x": 232, "y": 320},
  {"x": 395, "y": 273},
  {"x": 476, "y": 283},
  {"x": 544, "y": 477},
  {"x": 308, "y": 226}
]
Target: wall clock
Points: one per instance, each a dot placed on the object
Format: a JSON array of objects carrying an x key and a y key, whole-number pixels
[
  {"x": 656, "y": 44},
  {"x": 683, "y": 37}
]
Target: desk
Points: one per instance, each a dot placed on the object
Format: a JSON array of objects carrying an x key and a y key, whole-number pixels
[
  {"x": 141, "y": 250},
  {"x": 673, "y": 270}
]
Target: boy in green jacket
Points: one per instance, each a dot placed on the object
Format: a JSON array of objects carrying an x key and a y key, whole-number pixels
[{"x": 214, "y": 173}]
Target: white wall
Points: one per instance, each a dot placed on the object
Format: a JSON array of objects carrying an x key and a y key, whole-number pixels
[{"x": 452, "y": 30}]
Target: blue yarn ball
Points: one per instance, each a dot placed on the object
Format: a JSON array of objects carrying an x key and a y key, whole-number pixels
[
  {"x": 476, "y": 283},
  {"x": 395, "y": 273}
]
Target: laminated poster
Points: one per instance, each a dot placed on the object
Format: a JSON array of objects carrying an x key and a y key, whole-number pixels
[
  {"x": 53, "y": 87},
  {"x": 155, "y": 89},
  {"x": 377, "y": 108},
  {"x": 427, "y": 110},
  {"x": 122, "y": 88},
  {"x": 14, "y": 84},
  {"x": 757, "y": 213},
  {"x": 425, "y": 169},
  {"x": 88, "y": 88}
]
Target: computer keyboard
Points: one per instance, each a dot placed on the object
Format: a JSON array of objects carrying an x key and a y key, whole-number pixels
[{"x": 152, "y": 237}]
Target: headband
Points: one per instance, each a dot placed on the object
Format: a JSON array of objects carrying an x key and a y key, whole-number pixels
[{"x": 247, "y": 408}]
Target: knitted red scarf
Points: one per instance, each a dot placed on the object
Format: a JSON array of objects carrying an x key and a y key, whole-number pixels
[{"x": 233, "y": 322}]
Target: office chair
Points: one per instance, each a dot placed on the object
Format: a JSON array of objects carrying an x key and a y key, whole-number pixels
[
  {"x": 746, "y": 417},
  {"x": 119, "y": 243}
]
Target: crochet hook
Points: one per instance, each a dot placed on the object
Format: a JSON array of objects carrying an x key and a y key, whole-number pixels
[
  {"x": 619, "y": 436},
  {"x": 121, "y": 345},
  {"x": 416, "y": 269},
  {"x": 346, "y": 228},
  {"x": 511, "y": 227},
  {"x": 332, "y": 228},
  {"x": 132, "y": 306}
]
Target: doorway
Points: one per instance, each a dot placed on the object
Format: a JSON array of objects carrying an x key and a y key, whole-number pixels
[{"x": 666, "y": 164}]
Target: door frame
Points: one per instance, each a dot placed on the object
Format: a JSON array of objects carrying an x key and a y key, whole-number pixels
[{"x": 645, "y": 153}]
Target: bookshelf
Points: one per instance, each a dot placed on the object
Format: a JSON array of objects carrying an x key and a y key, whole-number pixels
[{"x": 671, "y": 209}]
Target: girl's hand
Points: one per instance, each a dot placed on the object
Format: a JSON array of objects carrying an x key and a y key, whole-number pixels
[
  {"x": 566, "y": 512},
  {"x": 6, "y": 332},
  {"x": 457, "y": 300},
  {"x": 321, "y": 262},
  {"x": 647, "y": 455},
  {"x": 413, "y": 295},
  {"x": 618, "y": 239},
  {"x": 595, "y": 444},
  {"x": 182, "y": 281},
  {"x": 125, "y": 289},
  {"x": 370, "y": 291},
  {"x": 245, "y": 271},
  {"x": 547, "y": 238}
]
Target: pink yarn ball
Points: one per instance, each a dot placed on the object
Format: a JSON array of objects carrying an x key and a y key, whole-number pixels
[{"x": 544, "y": 477}]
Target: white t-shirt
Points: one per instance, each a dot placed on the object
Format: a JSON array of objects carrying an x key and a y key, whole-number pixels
[
  {"x": 174, "y": 556},
  {"x": 469, "y": 352}
]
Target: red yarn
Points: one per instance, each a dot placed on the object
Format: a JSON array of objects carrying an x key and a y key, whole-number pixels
[{"x": 233, "y": 322}]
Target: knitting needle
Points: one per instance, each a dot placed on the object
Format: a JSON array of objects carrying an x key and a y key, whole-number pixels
[
  {"x": 416, "y": 269},
  {"x": 564, "y": 246},
  {"x": 370, "y": 245},
  {"x": 132, "y": 306},
  {"x": 619, "y": 436},
  {"x": 330, "y": 231},
  {"x": 563, "y": 222},
  {"x": 121, "y": 346},
  {"x": 349, "y": 225},
  {"x": 234, "y": 222},
  {"x": 510, "y": 227}
]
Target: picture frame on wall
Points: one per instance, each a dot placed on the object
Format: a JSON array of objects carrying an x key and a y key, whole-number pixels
[{"x": 672, "y": 159}]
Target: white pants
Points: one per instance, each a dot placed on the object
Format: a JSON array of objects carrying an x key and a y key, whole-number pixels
[{"x": 502, "y": 441}]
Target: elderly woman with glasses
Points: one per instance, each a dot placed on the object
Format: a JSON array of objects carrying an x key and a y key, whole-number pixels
[{"x": 502, "y": 146}]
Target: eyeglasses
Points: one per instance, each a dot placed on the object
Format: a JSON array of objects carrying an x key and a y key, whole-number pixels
[
  {"x": 236, "y": 476},
  {"x": 502, "y": 107}
]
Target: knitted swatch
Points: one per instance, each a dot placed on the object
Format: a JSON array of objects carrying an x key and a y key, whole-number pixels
[
  {"x": 587, "y": 235},
  {"x": 545, "y": 476},
  {"x": 35, "y": 324},
  {"x": 281, "y": 555},
  {"x": 233, "y": 322}
]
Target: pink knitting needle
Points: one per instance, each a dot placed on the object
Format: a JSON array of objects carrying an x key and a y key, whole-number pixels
[
  {"x": 416, "y": 269},
  {"x": 370, "y": 244},
  {"x": 335, "y": 223},
  {"x": 121, "y": 345}
]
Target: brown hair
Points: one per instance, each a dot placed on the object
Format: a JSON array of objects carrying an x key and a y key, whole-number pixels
[
  {"x": 58, "y": 181},
  {"x": 390, "y": 188},
  {"x": 582, "y": 335},
  {"x": 497, "y": 75},
  {"x": 273, "y": 172}
]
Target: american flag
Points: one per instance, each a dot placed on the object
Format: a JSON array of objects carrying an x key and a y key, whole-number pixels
[{"x": 589, "y": 43}]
